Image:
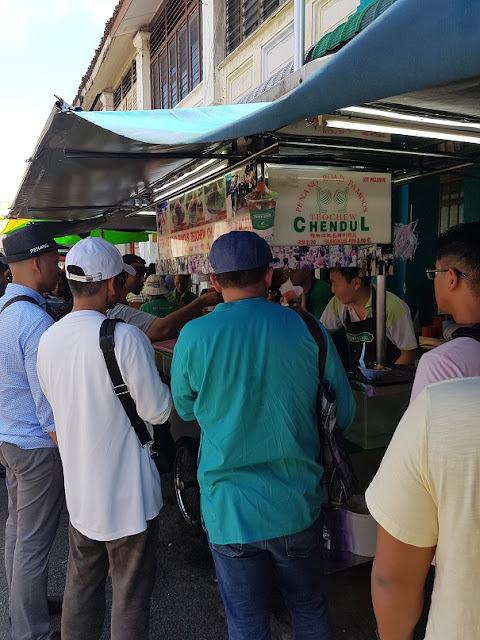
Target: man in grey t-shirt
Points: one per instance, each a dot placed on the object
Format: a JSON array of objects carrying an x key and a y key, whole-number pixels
[{"x": 156, "y": 328}]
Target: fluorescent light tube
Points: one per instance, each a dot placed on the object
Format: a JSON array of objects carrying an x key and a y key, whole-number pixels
[
  {"x": 195, "y": 180},
  {"x": 338, "y": 122},
  {"x": 407, "y": 117}
]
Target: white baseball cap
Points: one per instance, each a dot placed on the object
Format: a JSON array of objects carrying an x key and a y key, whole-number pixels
[{"x": 98, "y": 259}]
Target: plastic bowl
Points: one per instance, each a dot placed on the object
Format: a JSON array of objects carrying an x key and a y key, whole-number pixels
[{"x": 375, "y": 374}]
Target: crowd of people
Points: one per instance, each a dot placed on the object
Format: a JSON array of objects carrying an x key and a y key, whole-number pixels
[{"x": 65, "y": 434}]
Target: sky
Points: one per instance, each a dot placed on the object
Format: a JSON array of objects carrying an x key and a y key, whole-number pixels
[{"x": 46, "y": 47}]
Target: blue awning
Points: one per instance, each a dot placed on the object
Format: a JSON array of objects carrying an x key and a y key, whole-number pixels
[{"x": 414, "y": 46}]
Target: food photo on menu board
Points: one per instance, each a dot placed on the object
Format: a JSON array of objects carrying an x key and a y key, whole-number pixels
[
  {"x": 195, "y": 207},
  {"x": 215, "y": 200},
  {"x": 163, "y": 226},
  {"x": 178, "y": 213},
  {"x": 238, "y": 186}
]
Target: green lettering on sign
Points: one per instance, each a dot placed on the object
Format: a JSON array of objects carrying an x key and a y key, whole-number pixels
[
  {"x": 365, "y": 336},
  {"x": 299, "y": 224},
  {"x": 363, "y": 226}
]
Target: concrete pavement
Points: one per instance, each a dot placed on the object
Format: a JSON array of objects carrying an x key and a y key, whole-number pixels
[{"x": 186, "y": 604}]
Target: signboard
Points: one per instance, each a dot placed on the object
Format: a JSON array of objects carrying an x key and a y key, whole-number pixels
[
  {"x": 324, "y": 207},
  {"x": 294, "y": 207}
]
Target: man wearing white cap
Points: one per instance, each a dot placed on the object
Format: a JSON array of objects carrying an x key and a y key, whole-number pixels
[
  {"x": 112, "y": 485},
  {"x": 158, "y": 303}
]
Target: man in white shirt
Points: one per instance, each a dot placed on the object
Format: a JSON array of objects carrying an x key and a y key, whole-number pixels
[
  {"x": 425, "y": 500},
  {"x": 112, "y": 486}
]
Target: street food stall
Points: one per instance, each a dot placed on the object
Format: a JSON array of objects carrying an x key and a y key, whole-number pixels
[{"x": 317, "y": 187}]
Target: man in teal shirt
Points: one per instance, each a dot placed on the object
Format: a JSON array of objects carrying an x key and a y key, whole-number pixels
[{"x": 248, "y": 372}]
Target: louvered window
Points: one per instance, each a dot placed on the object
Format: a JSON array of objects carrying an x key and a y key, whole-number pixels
[
  {"x": 244, "y": 16},
  {"x": 125, "y": 95},
  {"x": 175, "y": 50}
]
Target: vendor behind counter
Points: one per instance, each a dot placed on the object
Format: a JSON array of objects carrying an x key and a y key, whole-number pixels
[{"x": 353, "y": 309}]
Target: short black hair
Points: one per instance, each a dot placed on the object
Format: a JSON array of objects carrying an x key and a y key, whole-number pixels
[
  {"x": 131, "y": 258},
  {"x": 461, "y": 245},
  {"x": 241, "y": 279},
  {"x": 82, "y": 289},
  {"x": 85, "y": 289},
  {"x": 4, "y": 267},
  {"x": 349, "y": 273}
]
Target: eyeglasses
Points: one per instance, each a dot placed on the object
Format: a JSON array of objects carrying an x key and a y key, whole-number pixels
[
  {"x": 122, "y": 278},
  {"x": 431, "y": 273},
  {"x": 140, "y": 271}
]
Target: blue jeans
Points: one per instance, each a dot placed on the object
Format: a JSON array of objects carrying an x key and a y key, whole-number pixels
[{"x": 245, "y": 573}]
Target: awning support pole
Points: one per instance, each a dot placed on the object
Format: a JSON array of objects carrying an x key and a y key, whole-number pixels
[
  {"x": 381, "y": 319},
  {"x": 298, "y": 34}
]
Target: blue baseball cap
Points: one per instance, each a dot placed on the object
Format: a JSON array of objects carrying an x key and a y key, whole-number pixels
[{"x": 239, "y": 251}]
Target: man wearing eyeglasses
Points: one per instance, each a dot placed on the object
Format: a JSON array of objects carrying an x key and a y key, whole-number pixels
[
  {"x": 425, "y": 495},
  {"x": 156, "y": 328},
  {"x": 456, "y": 279}
]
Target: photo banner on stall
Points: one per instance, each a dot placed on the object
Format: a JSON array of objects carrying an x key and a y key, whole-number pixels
[{"x": 310, "y": 217}]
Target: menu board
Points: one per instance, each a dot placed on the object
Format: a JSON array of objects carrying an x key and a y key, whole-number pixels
[{"x": 291, "y": 206}]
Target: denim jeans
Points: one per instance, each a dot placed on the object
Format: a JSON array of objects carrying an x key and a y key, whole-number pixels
[{"x": 295, "y": 562}]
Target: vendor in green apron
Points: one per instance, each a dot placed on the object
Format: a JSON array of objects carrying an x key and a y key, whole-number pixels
[{"x": 353, "y": 308}]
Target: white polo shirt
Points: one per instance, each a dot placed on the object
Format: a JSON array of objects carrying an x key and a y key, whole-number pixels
[{"x": 112, "y": 486}]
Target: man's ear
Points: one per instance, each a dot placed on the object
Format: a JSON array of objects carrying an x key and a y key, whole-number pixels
[
  {"x": 37, "y": 265},
  {"x": 268, "y": 277},
  {"x": 215, "y": 284},
  {"x": 454, "y": 279}
]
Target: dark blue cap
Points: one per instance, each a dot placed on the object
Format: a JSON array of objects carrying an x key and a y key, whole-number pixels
[
  {"x": 27, "y": 242},
  {"x": 239, "y": 251}
]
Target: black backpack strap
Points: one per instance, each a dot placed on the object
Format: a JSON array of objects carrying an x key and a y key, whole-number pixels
[
  {"x": 107, "y": 345},
  {"x": 317, "y": 335},
  {"x": 468, "y": 332},
  {"x": 17, "y": 299}
]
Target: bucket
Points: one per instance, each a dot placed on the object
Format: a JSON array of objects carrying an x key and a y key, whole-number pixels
[{"x": 361, "y": 528}]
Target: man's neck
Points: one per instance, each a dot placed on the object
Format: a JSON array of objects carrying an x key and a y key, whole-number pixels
[
  {"x": 362, "y": 297},
  {"x": 468, "y": 311},
  {"x": 89, "y": 304},
  {"x": 25, "y": 282},
  {"x": 234, "y": 295}
]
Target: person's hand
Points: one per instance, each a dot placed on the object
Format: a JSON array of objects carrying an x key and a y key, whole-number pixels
[{"x": 210, "y": 299}]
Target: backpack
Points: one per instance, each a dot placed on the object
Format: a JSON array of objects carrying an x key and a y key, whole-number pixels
[{"x": 339, "y": 482}]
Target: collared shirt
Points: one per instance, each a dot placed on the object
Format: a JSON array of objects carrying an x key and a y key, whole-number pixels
[
  {"x": 318, "y": 297},
  {"x": 159, "y": 306},
  {"x": 186, "y": 297},
  {"x": 26, "y": 417},
  {"x": 248, "y": 372},
  {"x": 399, "y": 323}
]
